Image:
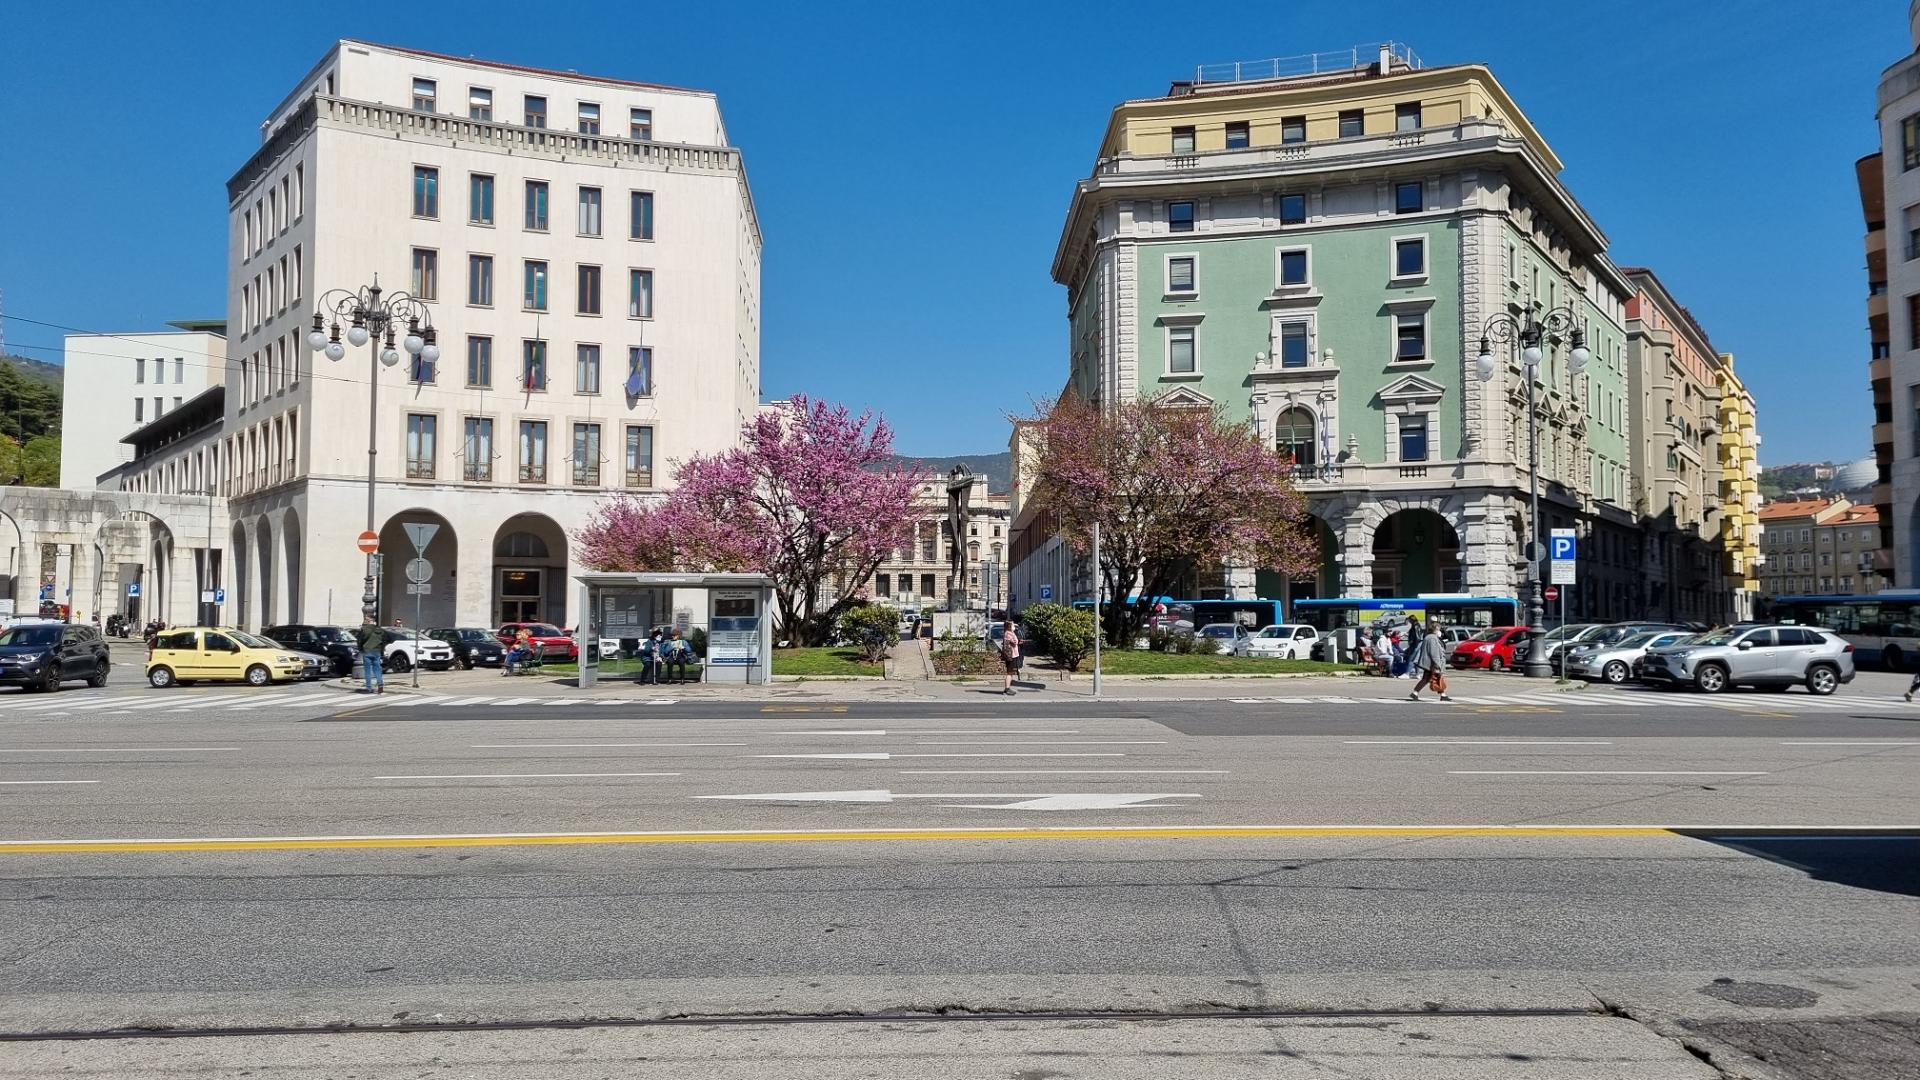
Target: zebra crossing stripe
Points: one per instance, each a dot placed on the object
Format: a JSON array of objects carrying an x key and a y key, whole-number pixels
[
  {"x": 462, "y": 701},
  {"x": 517, "y": 701}
]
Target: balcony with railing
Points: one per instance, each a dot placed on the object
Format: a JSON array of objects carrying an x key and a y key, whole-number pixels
[
  {"x": 534, "y": 473},
  {"x": 1306, "y": 154}
]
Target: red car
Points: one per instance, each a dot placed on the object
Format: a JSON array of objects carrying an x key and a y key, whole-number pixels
[
  {"x": 554, "y": 643},
  {"x": 1491, "y": 648}
]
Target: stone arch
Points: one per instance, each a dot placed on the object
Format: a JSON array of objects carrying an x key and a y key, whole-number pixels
[
  {"x": 437, "y": 606},
  {"x": 291, "y": 562},
  {"x": 234, "y": 611},
  {"x": 1416, "y": 550},
  {"x": 263, "y": 611},
  {"x": 13, "y": 554},
  {"x": 530, "y": 570},
  {"x": 135, "y": 546}
]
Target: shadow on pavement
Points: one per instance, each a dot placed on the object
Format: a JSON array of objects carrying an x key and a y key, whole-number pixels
[{"x": 1882, "y": 863}]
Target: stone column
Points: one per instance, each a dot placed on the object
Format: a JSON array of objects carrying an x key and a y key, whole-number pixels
[
  {"x": 180, "y": 589},
  {"x": 1356, "y": 548}
]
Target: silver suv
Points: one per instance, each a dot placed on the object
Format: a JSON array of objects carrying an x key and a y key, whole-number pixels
[{"x": 1770, "y": 657}]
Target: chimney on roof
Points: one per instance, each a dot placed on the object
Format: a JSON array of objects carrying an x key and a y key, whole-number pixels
[{"x": 1386, "y": 58}]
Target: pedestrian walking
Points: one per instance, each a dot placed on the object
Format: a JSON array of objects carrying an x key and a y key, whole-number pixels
[
  {"x": 373, "y": 643},
  {"x": 1429, "y": 659},
  {"x": 678, "y": 650},
  {"x": 1913, "y": 686},
  {"x": 1010, "y": 654}
]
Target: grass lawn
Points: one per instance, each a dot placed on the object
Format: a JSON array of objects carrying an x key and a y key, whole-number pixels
[
  {"x": 830, "y": 660},
  {"x": 1143, "y": 662}
]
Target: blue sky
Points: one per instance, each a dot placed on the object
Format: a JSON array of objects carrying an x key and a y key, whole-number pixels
[{"x": 912, "y": 163}]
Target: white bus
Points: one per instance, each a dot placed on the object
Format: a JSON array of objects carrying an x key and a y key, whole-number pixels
[{"x": 1883, "y": 628}]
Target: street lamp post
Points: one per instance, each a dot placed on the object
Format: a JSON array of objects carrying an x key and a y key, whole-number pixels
[
  {"x": 372, "y": 319},
  {"x": 1536, "y": 331}
]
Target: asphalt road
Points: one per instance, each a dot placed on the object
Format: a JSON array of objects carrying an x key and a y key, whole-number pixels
[{"x": 212, "y": 863}]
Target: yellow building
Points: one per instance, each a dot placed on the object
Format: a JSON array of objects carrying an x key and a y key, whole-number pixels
[{"x": 1739, "y": 487}]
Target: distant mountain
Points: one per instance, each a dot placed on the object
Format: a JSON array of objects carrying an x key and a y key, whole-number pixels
[
  {"x": 36, "y": 370},
  {"x": 998, "y": 468}
]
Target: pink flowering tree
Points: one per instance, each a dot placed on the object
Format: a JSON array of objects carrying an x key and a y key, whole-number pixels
[
  {"x": 811, "y": 497},
  {"x": 1175, "y": 489}
]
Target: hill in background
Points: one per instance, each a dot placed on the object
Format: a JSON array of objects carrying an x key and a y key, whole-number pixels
[{"x": 998, "y": 468}]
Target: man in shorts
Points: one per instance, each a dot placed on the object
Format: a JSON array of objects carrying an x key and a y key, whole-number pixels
[{"x": 1010, "y": 654}]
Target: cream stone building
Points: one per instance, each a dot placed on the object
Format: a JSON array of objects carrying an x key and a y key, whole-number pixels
[{"x": 587, "y": 252}]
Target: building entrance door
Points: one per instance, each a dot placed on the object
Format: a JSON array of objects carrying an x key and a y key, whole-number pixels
[{"x": 520, "y": 594}]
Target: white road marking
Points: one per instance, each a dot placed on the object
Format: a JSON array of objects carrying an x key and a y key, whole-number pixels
[
  {"x": 119, "y": 750},
  {"x": 1478, "y": 742},
  {"x": 1050, "y": 801},
  {"x": 209, "y": 700},
  {"x": 137, "y": 706},
  {"x": 554, "y": 703},
  {"x": 44, "y": 706},
  {"x": 938, "y": 731},
  {"x": 467, "y": 700},
  {"x": 1063, "y": 772},
  {"x": 596, "y": 745},
  {"x": 1043, "y": 742},
  {"x": 517, "y": 701},
  {"x": 1597, "y": 772},
  {"x": 523, "y": 776},
  {"x": 888, "y": 757},
  {"x": 33, "y": 783}
]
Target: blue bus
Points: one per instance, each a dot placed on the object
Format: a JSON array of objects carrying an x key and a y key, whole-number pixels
[
  {"x": 1252, "y": 614},
  {"x": 1439, "y": 609},
  {"x": 1883, "y": 627}
]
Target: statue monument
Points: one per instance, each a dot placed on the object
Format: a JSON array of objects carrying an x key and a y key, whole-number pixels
[{"x": 959, "y": 491}]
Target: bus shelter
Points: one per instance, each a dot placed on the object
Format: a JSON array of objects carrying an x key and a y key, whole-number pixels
[{"x": 730, "y": 614}]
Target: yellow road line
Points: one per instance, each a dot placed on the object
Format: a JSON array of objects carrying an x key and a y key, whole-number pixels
[{"x": 295, "y": 843}]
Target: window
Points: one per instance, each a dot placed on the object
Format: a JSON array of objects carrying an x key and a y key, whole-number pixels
[
  {"x": 927, "y": 590},
  {"x": 639, "y": 460},
  {"x": 586, "y": 455},
  {"x": 423, "y": 95},
  {"x": 420, "y": 437},
  {"x": 1296, "y": 350},
  {"x": 477, "y": 449},
  {"x": 641, "y": 225},
  {"x": 1180, "y": 350},
  {"x": 1910, "y": 141},
  {"x": 140, "y": 370},
  {"x": 640, "y": 124},
  {"x": 426, "y": 273},
  {"x": 139, "y": 410},
  {"x": 537, "y": 205},
  {"x": 1294, "y": 266},
  {"x": 1406, "y": 116},
  {"x": 533, "y": 451},
  {"x": 299, "y": 191},
  {"x": 479, "y": 103},
  {"x": 295, "y": 287},
  {"x": 1183, "y": 140},
  {"x": 1180, "y": 217},
  {"x": 588, "y": 280},
  {"x": 426, "y": 191},
  {"x": 533, "y": 365},
  {"x": 1293, "y": 129},
  {"x": 480, "y": 280},
  {"x": 1409, "y": 198},
  {"x": 1180, "y": 274},
  {"x": 1293, "y": 435},
  {"x": 1238, "y": 135},
  {"x": 1410, "y": 337},
  {"x": 586, "y": 369},
  {"x": 639, "y": 371},
  {"x": 421, "y": 370},
  {"x": 640, "y": 294},
  {"x": 589, "y": 211},
  {"x": 534, "y": 110},
  {"x": 479, "y": 361},
  {"x": 534, "y": 294},
  {"x": 1413, "y": 438},
  {"x": 1293, "y": 209},
  {"x": 882, "y": 584},
  {"x": 1410, "y": 256},
  {"x": 480, "y": 199},
  {"x": 1352, "y": 122},
  {"x": 589, "y": 118}
]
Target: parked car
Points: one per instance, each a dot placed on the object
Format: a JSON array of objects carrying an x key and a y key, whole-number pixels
[
  {"x": 555, "y": 644},
  {"x": 1770, "y": 657},
  {"x": 405, "y": 648},
  {"x": 333, "y": 642},
  {"x": 1612, "y": 661},
  {"x": 1552, "y": 641},
  {"x": 1454, "y": 635},
  {"x": 42, "y": 655},
  {"x": 1491, "y": 648},
  {"x": 186, "y": 654},
  {"x": 475, "y": 646},
  {"x": 1232, "y": 638},
  {"x": 1284, "y": 641}
]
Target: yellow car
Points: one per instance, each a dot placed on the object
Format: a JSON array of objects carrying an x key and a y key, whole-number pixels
[{"x": 184, "y": 654}]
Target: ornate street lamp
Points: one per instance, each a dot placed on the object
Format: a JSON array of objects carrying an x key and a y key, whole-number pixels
[
  {"x": 376, "y": 320},
  {"x": 1537, "y": 332}
]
